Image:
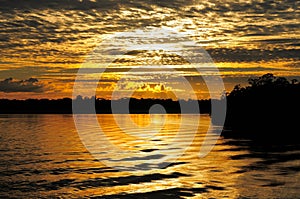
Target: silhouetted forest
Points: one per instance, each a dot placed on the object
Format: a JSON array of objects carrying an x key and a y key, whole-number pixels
[
  {"x": 267, "y": 105},
  {"x": 102, "y": 106}
]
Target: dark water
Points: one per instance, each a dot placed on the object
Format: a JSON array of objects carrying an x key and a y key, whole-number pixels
[{"x": 43, "y": 156}]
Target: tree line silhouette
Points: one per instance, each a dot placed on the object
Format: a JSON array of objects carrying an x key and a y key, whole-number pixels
[
  {"x": 99, "y": 106},
  {"x": 267, "y": 105}
]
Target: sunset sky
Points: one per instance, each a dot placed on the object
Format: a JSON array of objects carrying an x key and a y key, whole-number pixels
[{"x": 44, "y": 43}]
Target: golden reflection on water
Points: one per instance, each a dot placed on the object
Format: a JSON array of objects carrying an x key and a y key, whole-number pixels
[
  {"x": 42, "y": 155},
  {"x": 196, "y": 172}
]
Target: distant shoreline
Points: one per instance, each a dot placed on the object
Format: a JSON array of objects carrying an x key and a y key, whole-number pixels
[
  {"x": 99, "y": 106},
  {"x": 266, "y": 109}
]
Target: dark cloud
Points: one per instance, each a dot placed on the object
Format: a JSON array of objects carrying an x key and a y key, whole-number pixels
[
  {"x": 252, "y": 55},
  {"x": 29, "y": 85},
  {"x": 257, "y": 6},
  {"x": 56, "y": 4},
  {"x": 88, "y": 4}
]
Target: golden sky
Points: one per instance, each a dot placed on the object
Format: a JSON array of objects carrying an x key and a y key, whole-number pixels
[{"x": 49, "y": 41}]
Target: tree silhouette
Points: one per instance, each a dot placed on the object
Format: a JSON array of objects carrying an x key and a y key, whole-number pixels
[{"x": 267, "y": 105}]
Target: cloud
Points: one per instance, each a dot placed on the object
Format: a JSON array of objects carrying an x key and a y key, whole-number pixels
[
  {"x": 150, "y": 57},
  {"x": 64, "y": 31},
  {"x": 29, "y": 85},
  {"x": 252, "y": 55}
]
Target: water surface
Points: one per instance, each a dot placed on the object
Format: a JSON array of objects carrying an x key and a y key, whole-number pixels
[{"x": 43, "y": 156}]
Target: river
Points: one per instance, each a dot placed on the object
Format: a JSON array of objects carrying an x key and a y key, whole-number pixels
[{"x": 43, "y": 156}]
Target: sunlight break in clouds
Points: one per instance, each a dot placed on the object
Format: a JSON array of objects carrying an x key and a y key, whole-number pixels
[
  {"x": 48, "y": 40},
  {"x": 150, "y": 56}
]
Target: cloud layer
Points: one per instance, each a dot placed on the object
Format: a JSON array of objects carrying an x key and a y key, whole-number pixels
[
  {"x": 29, "y": 85},
  {"x": 49, "y": 39},
  {"x": 56, "y": 32}
]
